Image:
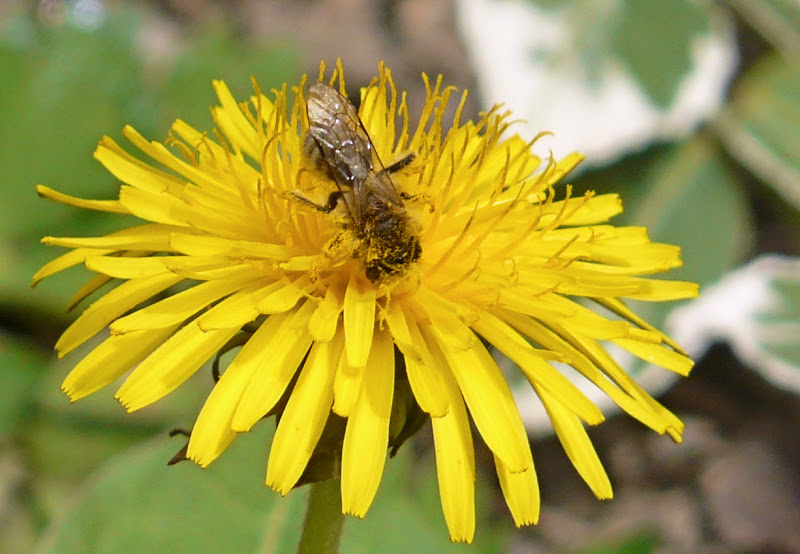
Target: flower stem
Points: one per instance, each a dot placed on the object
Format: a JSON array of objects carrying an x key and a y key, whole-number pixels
[{"x": 322, "y": 527}]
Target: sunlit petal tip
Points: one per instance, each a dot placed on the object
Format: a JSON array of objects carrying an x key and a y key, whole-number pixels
[
  {"x": 354, "y": 511},
  {"x": 44, "y": 191},
  {"x": 281, "y": 488},
  {"x": 124, "y": 403},
  {"x": 203, "y": 463},
  {"x": 204, "y": 452},
  {"x": 71, "y": 393},
  {"x": 675, "y": 434}
]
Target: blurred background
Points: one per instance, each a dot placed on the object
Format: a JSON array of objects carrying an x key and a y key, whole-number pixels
[{"x": 689, "y": 110}]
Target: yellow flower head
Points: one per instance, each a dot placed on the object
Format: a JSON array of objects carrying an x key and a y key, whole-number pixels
[{"x": 334, "y": 245}]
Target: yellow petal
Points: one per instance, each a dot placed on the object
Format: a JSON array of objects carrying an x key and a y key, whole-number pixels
[
  {"x": 202, "y": 245},
  {"x": 304, "y": 418},
  {"x": 159, "y": 152},
  {"x": 653, "y": 290},
  {"x": 299, "y": 263},
  {"x": 600, "y": 356},
  {"x": 598, "y": 209},
  {"x": 285, "y": 297},
  {"x": 535, "y": 304},
  {"x": 234, "y": 124},
  {"x": 178, "y": 307},
  {"x": 240, "y": 307},
  {"x": 110, "y": 359},
  {"x": 455, "y": 464},
  {"x": 87, "y": 290},
  {"x": 562, "y": 167},
  {"x": 154, "y": 238},
  {"x": 65, "y": 261},
  {"x": 367, "y": 433},
  {"x": 277, "y": 362},
  {"x": 111, "y": 206},
  {"x": 489, "y": 400},
  {"x": 503, "y": 337},
  {"x": 134, "y": 172},
  {"x": 635, "y": 404},
  {"x": 569, "y": 313},
  {"x": 577, "y": 445},
  {"x": 445, "y": 317},
  {"x": 130, "y": 266},
  {"x": 152, "y": 206},
  {"x": 214, "y": 271},
  {"x": 618, "y": 307},
  {"x": 521, "y": 491},
  {"x": 170, "y": 365},
  {"x": 658, "y": 354},
  {"x": 346, "y": 386},
  {"x": 325, "y": 320},
  {"x": 121, "y": 267},
  {"x": 115, "y": 303},
  {"x": 359, "y": 321},
  {"x": 213, "y": 429},
  {"x": 424, "y": 376}
]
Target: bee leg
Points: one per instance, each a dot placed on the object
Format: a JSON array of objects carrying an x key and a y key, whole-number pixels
[
  {"x": 329, "y": 206},
  {"x": 400, "y": 164},
  {"x": 333, "y": 199},
  {"x": 425, "y": 199}
]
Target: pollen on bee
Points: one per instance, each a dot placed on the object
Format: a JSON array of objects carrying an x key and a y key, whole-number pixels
[{"x": 385, "y": 240}]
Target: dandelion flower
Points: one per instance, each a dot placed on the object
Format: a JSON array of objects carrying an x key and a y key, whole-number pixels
[{"x": 242, "y": 243}]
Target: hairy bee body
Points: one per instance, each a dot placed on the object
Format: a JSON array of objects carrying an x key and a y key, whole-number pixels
[{"x": 387, "y": 244}]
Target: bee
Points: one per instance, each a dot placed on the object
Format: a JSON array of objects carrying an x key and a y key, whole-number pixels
[{"x": 387, "y": 242}]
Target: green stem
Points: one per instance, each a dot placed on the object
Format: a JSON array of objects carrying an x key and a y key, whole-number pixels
[{"x": 322, "y": 527}]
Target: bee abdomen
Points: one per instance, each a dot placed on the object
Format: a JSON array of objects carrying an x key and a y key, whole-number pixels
[{"x": 390, "y": 259}]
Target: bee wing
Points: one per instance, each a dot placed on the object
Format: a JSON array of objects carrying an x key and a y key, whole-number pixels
[
  {"x": 347, "y": 149},
  {"x": 380, "y": 184},
  {"x": 334, "y": 125},
  {"x": 377, "y": 181}
]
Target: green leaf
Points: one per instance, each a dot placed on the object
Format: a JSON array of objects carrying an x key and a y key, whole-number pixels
[
  {"x": 654, "y": 40},
  {"x": 777, "y": 327},
  {"x": 692, "y": 198},
  {"x": 757, "y": 310},
  {"x": 759, "y": 128},
  {"x": 138, "y": 504},
  {"x": 607, "y": 78}
]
